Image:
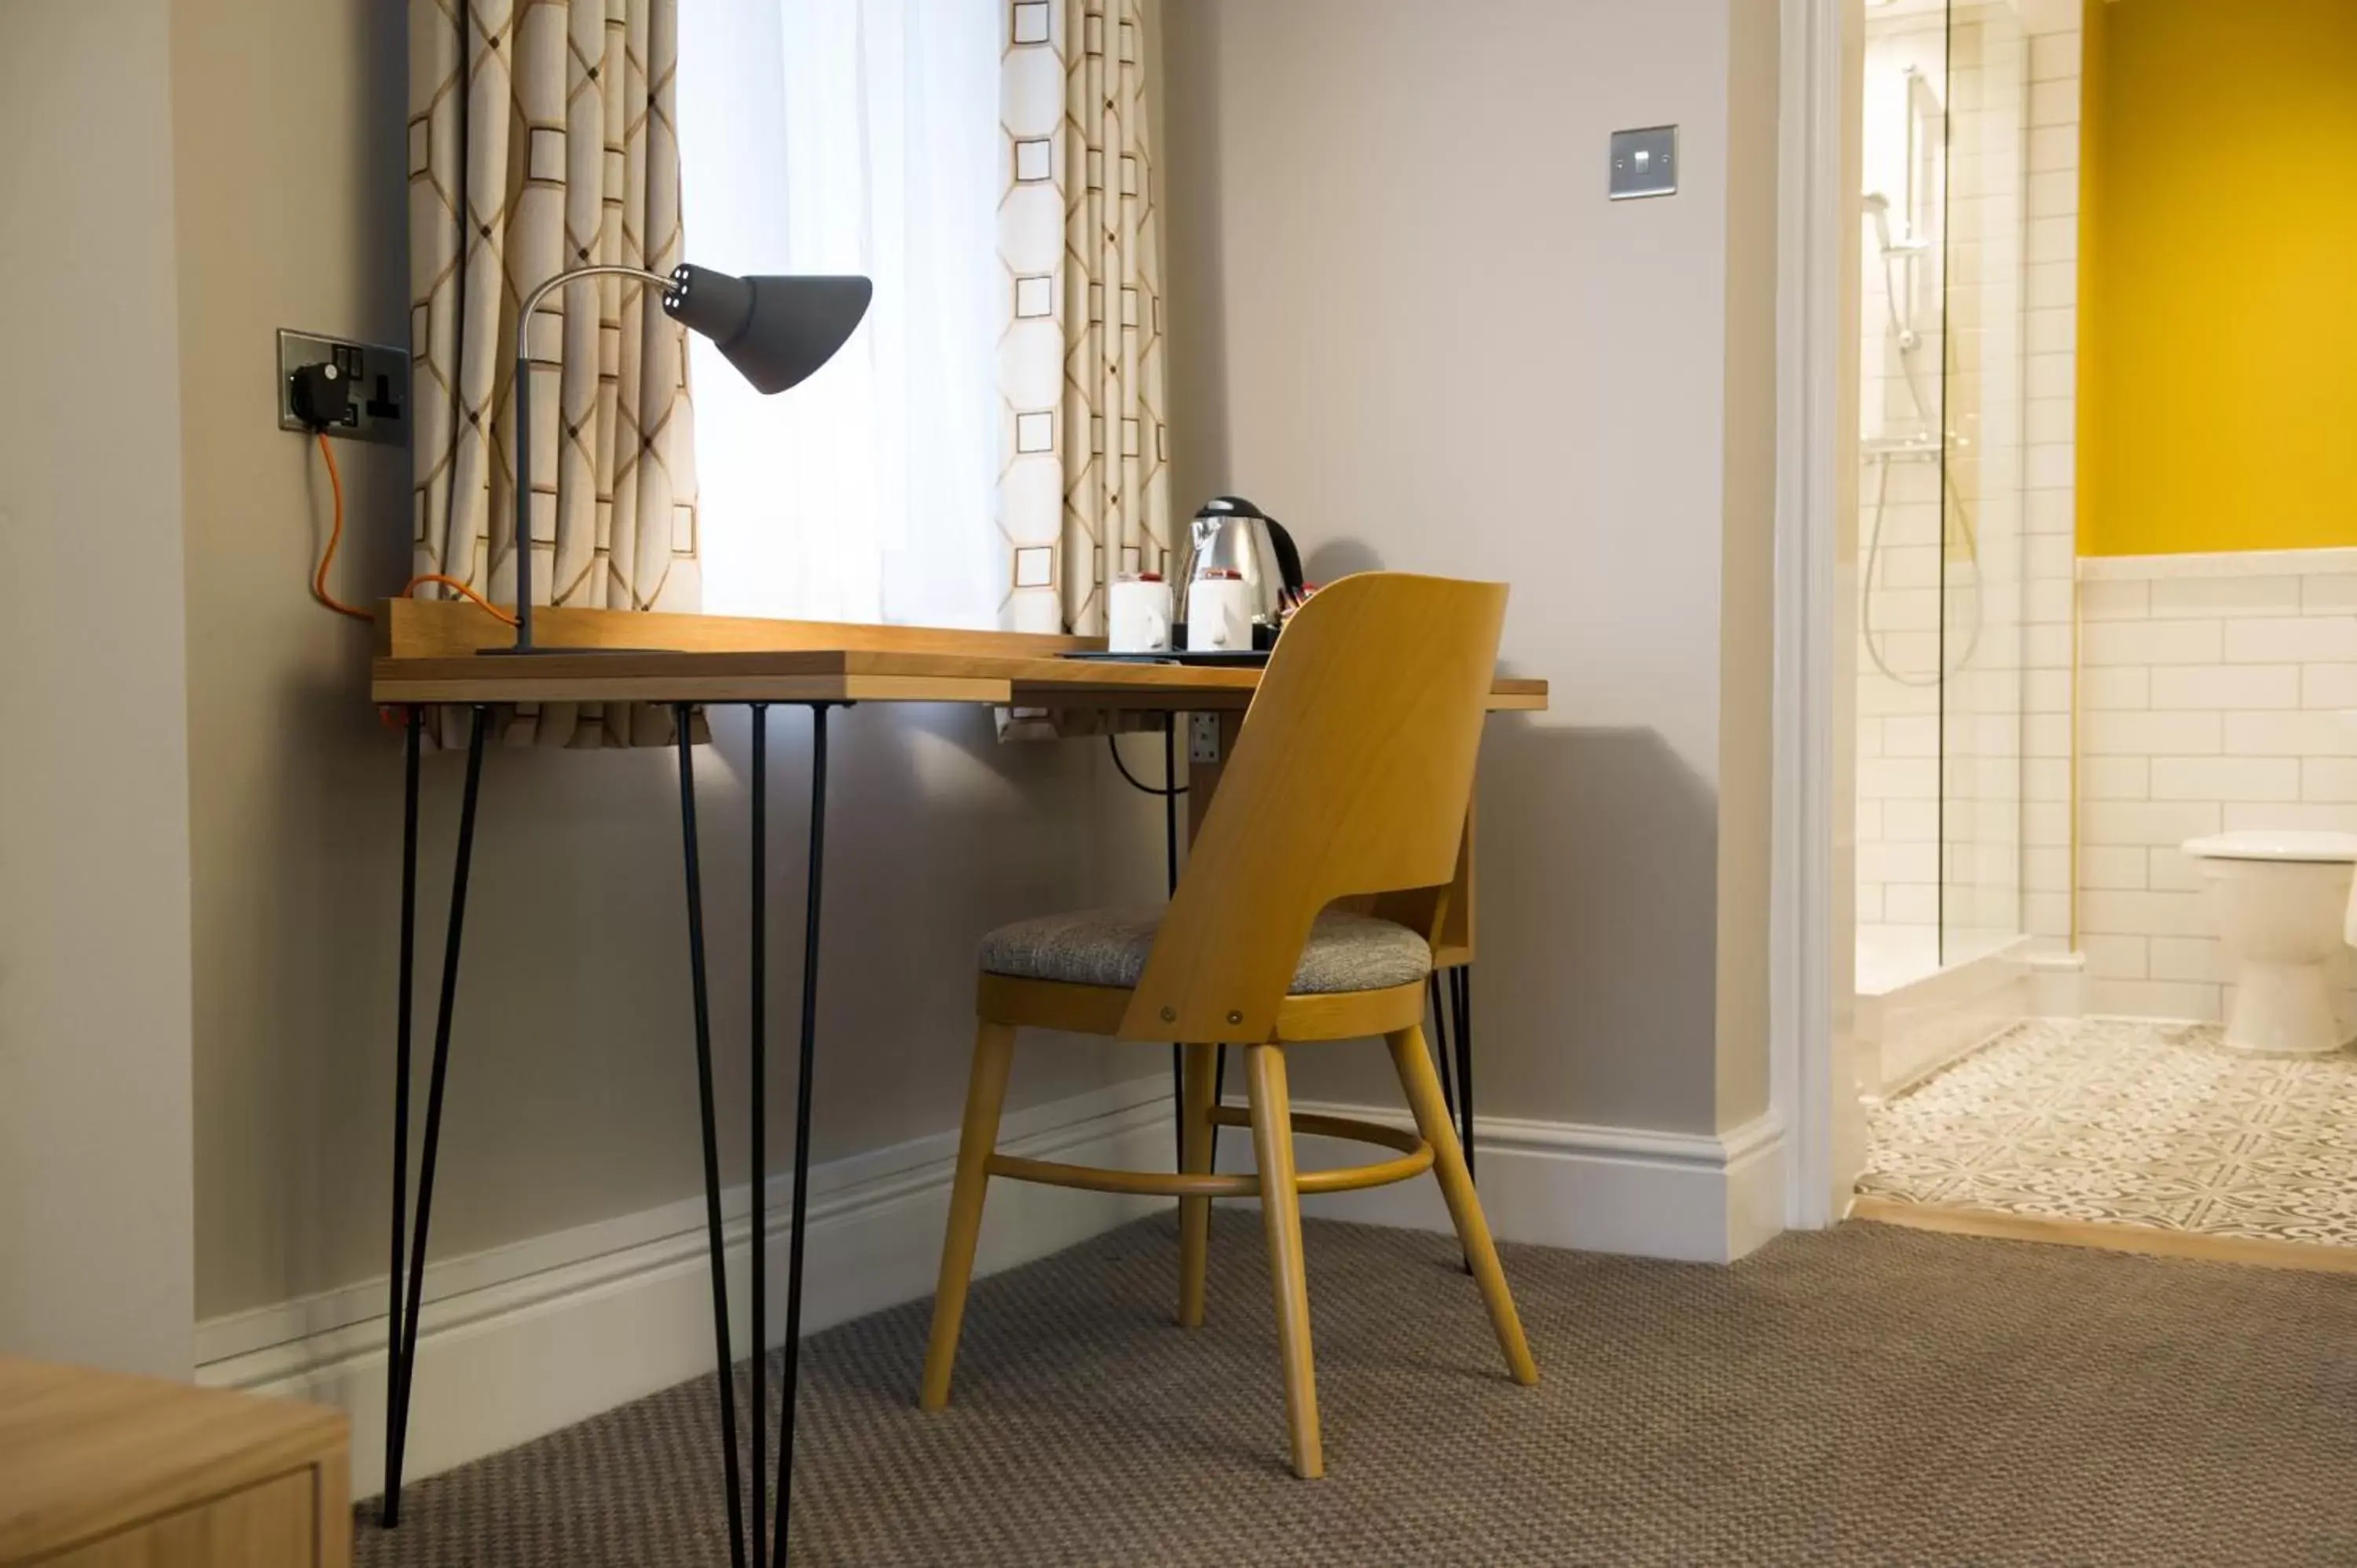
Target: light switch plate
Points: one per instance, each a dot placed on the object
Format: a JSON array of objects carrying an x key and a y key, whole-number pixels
[
  {"x": 1644, "y": 163},
  {"x": 379, "y": 376}
]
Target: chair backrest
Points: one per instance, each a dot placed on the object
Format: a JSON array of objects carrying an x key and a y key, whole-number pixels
[{"x": 1351, "y": 776}]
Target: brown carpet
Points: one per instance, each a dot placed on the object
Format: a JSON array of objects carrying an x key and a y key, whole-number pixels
[{"x": 1869, "y": 1395}]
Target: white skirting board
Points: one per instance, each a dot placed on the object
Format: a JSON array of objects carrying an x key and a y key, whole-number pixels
[
  {"x": 1693, "y": 1196},
  {"x": 522, "y": 1340}
]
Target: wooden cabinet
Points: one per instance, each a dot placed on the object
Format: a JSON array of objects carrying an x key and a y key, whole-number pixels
[{"x": 98, "y": 1470}]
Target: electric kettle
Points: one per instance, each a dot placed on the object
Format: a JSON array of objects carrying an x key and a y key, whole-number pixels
[{"x": 1231, "y": 539}]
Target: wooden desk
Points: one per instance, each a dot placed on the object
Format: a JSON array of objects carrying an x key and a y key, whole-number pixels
[
  {"x": 98, "y": 1470},
  {"x": 427, "y": 655}
]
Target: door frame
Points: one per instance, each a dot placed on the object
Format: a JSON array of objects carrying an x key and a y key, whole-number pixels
[{"x": 1812, "y": 894}]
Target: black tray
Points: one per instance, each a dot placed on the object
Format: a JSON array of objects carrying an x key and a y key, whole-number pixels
[{"x": 1235, "y": 658}]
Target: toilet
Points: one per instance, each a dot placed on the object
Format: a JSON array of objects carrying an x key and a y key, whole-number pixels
[{"x": 2281, "y": 903}]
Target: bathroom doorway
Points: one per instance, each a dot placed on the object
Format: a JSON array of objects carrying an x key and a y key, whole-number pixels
[{"x": 2105, "y": 673}]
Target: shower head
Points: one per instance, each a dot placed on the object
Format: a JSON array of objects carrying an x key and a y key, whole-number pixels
[{"x": 1878, "y": 213}]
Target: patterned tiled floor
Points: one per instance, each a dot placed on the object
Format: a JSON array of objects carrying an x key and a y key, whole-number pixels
[{"x": 2137, "y": 1123}]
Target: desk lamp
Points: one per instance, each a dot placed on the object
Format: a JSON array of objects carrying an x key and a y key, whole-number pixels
[{"x": 775, "y": 330}]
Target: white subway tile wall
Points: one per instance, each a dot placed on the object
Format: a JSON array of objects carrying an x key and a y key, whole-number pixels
[
  {"x": 2049, "y": 512},
  {"x": 2210, "y": 701}
]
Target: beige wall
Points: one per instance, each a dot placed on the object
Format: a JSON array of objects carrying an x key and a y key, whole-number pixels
[
  {"x": 1404, "y": 318},
  {"x": 94, "y": 1218},
  {"x": 572, "y": 1085},
  {"x": 1397, "y": 283}
]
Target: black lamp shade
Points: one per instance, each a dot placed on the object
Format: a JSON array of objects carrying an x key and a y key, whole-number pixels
[{"x": 775, "y": 330}]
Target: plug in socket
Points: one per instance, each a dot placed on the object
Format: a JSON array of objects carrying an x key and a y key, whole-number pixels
[{"x": 376, "y": 374}]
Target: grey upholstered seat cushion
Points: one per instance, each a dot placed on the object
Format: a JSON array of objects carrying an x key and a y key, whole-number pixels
[{"x": 1108, "y": 947}]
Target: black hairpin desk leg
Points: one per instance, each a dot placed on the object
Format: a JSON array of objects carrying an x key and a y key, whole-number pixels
[
  {"x": 815, "y": 886},
  {"x": 757, "y": 1104},
  {"x": 684, "y": 716},
  {"x": 1440, "y": 1042},
  {"x": 1461, "y": 994},
  {"x": 1171, "y": 859},
  {"x": 408, "y": 1285},
  {"x": 1170, "y": 793},
  {"x": 396, "y": 1277},
  {"x": 768, "y": 1532}
]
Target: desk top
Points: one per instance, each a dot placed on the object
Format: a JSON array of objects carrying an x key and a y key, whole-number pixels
[{"x": 426, "y": 653}]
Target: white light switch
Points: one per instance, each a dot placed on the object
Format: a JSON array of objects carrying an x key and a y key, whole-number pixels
[{"x": 1644, "y": 163}]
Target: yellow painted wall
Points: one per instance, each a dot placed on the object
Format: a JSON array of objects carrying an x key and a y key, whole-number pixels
[{"x": 2218, "y": 338}]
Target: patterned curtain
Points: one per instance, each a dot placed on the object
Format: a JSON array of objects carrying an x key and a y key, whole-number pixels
[
  {"x": 1083, "y": 492},
  {"x": 541, "y": 137}
]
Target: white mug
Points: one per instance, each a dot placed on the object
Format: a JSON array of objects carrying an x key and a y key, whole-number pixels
[
  {"x": 1219, "y": 616},
  {"x": 1137, "y": 616}
]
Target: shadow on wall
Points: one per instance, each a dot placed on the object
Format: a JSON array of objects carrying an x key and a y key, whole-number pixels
[
  {"x": 1594, "y": 998},
  {"x": 936, "y": 832},
  {"x": 1598, "y": 890},
  {"x": 1599, "y": 895},
  {"x": 572, "y": 1085},
  {"x": 1340, "y": 558}
]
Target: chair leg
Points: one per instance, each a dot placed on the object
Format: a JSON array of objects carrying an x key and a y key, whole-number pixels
[
  {"x": 993, "y": 1053},
  {"x": 1196, "y": 1131},
  {"x": 1413, "y": 1063},
  {"x": 1280, "y": 1204}
]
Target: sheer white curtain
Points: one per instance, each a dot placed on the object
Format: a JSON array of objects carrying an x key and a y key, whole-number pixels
[{"x": 851, "y": 137}]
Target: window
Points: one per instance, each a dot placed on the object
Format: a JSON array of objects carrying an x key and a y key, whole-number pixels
[{"x": 851, "y": 137}]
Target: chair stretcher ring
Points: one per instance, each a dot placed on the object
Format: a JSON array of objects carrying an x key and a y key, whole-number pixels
[{"x": 1415, "y": 1158}]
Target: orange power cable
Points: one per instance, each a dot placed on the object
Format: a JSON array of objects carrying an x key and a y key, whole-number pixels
[{"x": 336, "y": 538}]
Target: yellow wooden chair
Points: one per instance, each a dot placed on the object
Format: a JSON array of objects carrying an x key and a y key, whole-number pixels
[{"x": 1350, "y": 779}]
